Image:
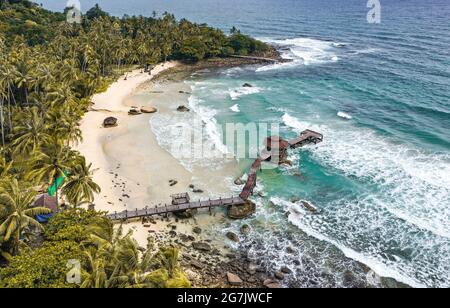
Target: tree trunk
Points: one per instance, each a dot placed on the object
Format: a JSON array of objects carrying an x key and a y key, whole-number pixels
[{"x": 2, "y": 120}]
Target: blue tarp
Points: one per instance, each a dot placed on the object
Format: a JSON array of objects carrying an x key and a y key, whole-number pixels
[{"x": 44, "y": 218}]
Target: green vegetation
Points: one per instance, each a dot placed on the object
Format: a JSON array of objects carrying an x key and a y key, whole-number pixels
[{"x": 49, "y": 70}]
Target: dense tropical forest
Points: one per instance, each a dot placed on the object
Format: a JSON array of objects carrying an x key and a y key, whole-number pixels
[{"x": 49, "y": 69}]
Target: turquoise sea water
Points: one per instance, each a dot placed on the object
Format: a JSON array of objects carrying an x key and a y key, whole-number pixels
[{"x": 380, "y": 94}]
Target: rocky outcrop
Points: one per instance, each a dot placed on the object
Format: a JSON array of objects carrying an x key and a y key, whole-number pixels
[
  {"x": 110, "y": 122},
  {"x": 241, "y": 211},
  {"x": 148, "y": 110},
  {"x": 186, "y": 213},
  {"x": 183, "y": 108},
  {"x": 245, "y": 230},
  {"x": 307, "y": 205},
  {"x": 247, "y": 85}
]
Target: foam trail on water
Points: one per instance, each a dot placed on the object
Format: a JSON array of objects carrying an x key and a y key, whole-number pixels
[
  {"x": 235, "y": 108},
  {"x": 344, "y": 115}
]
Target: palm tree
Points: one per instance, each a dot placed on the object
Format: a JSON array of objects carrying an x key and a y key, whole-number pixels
[
  {"x": 17, "y": 212},
  {"x": 80, "y": 187},
  {"x": 31, "y": 133},
  {"x": 52, "y": 163}
]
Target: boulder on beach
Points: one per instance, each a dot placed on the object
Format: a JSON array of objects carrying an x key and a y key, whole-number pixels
[
  {"x": 148, "y": 110},
  {"x": 241, "y": 211},
  {"x": 110, "y": 122},
  {"x": 183, "y": 108},
  {"x": 134, "y": 112}
]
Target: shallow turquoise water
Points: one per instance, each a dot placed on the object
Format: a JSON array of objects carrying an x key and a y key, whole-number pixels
[{"x": 379, "y": 94}]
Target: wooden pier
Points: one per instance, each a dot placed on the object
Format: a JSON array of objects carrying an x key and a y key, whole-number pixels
[{"x": 182, "y": 202}]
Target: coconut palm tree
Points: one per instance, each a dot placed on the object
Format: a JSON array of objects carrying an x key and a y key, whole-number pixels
[
  {"x": 17, "y": 212},
  {"x": 30, "y": 133},
  {"x": 80, "y": 187},
  {"x": 53, "y": 162}
]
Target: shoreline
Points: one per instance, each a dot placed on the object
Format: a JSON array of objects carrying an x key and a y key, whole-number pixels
[{"x": 134, "y": 171}]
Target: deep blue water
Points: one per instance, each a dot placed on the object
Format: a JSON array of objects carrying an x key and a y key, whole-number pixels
[{"x": 380, "y": 95}]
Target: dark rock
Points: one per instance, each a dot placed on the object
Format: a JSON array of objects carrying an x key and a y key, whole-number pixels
[
  {"x": 110, "y": 122},
  {"x": 307, "y": 205},
  {"x": 173, "y": 182},
  {"x": 134, "y": 112},
  {"x": 198, "y": 191},
  {"x": 245, "y": 229},
  {"x": 233, "y": 236},
  {"x": 290, "y": 250},
  {"x": 239, "y": 182},
  {"x": 197, "y": 230},
  {"x": 196, "y": 264},
  {"x": 247, "y": 85},
  {"x": 183, "y": 109},
  {"x": 241, "y": 211},
  {"x": 201, "y": 246},
  {"x": 286, "y": 270},
  {"x": 186, "y": 214}
]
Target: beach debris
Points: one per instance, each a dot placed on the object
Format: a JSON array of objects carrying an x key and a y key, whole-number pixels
[
  {"x": 173, "y": 182},
  {"x": 134, "y": 112},
  {"x": 148, "y": 110},
  {"x": 110, "y": 122},
  {"x": 233, "y": 237},
  {"x": 247, "y": 85},
  {"x": 233, "y": 279},
  {"x": 241, "y": 211},
  {"x": 201, "y": 246},
  {"x": 183, "y": 108},
  {"x": 197, "y": 230}
]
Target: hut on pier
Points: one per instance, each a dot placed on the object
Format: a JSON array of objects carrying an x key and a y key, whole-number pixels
[{"x": 180, "y": 199}]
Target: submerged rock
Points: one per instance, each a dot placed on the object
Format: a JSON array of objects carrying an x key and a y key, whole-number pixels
[
  {"x": 247, "y": 85},
  {"x": 110, "y": 122},
  {"x": 183, "y": 109},
  {"x": 233, "y": 237},
  {"x": 241, "y": 211},
  {"x": 134, "y": 112},
  {"x": 307, "y": 205},
  {"x": 245, "y": 229}
]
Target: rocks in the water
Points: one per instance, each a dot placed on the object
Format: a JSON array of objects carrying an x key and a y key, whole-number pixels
[
  {"x": 201, "y": 246},
  {"x": 286, "y": 270},
  {"x": 234, "y": 280},
  {"x": 197, "y": 230},
  {"x": 307, "y": 205},
  {"x": 295, "y": 199},
  {"x": 148, "y": 110},
  {"x": 183, "y": 108},
  {"x": 134, "y": 112},
  {"x": 233, "y": 237},
  {"x": 245, "y": 229},
  {"x": 110, "y": 122},
  {"x": 184, "y": 92},
  {"x": 279, "y": 275},
  {"x": 185, "y": 214},
  {"x": 247, "y": 85},
  {"x": 239, "y": 182},
  {"x": 241, "y": 211}
]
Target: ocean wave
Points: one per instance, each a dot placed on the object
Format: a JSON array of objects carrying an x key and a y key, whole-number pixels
[
  {"x": 236, "y": 93},
  {"x": 344, "y": 115},
  {"x": 235, "y": 108},
  {"x": 408, "y": 205},
  {"x": 304, "y": 51}
]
